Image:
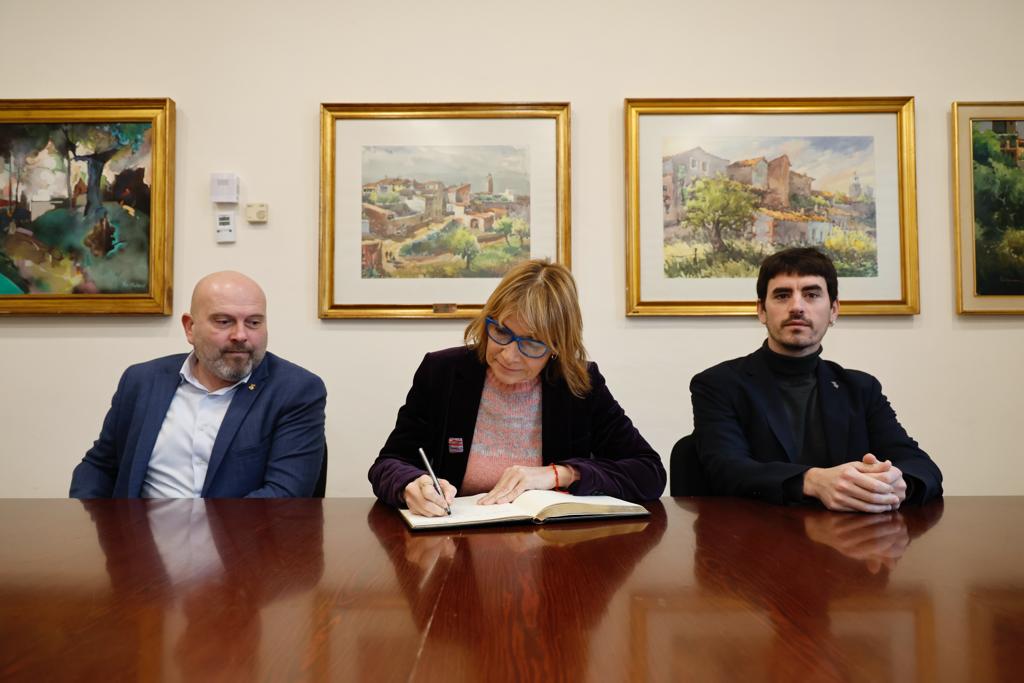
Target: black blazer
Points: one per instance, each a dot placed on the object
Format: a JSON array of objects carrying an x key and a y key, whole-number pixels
[
  {"x": 591, "y": 434},
  {"x": 746, "y": 446}
]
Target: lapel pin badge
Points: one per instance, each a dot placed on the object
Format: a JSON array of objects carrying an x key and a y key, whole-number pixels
[
  {"x": 252, "y": 387},
  {"x": 834, "y": 384}
]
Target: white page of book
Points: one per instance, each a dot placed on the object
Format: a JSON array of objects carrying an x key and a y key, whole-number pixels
[
  {"x": 465, "y": 510},
  {"x": 533, "y": 501},
  {"x": 530, "y": 503}
]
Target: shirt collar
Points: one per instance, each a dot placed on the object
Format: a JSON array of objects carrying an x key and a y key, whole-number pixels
[{"x": 187, "y": 374}]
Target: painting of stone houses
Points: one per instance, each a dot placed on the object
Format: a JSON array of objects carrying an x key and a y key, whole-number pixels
[
  {"x": 731, "y": 201},
  {"x": 444, "y": 211}
]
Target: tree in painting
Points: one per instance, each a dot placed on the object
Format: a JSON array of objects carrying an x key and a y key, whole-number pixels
[
  {"x": 75, "y": 218},
  {"x": 721, "y": 208},
  {"x": 464, "y": 244}
]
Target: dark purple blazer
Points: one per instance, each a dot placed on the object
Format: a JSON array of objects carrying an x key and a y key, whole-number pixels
[{"x": 591, "y": 434}]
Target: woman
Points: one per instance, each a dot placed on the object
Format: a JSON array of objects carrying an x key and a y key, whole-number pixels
[{"x": 517, "y": 408}]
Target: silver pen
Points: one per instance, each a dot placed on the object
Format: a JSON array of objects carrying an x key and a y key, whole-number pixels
[{"x": 437, "y": 484}]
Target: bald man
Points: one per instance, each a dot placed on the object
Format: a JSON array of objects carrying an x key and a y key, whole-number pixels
[{"x": 227, "y": 420}]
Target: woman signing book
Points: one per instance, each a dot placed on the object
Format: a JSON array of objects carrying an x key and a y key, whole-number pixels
[{"x": 518, "y": 407}]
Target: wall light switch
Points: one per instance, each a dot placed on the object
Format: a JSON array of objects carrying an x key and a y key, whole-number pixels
[
  {"x": 225, "y": 225},
  {"x": 257, "y": 213}
]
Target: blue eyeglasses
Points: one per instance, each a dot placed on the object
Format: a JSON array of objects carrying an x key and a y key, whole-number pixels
[{"x": 531, "y": 348}]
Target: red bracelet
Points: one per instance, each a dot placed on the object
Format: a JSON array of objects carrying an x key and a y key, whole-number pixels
[{"x": 558, "y": 486}]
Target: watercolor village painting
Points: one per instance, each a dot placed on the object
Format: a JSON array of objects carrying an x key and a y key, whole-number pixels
[
  {"x": 444, "y": 211},
  {"x": 998, "y": 175},
  {"x": 74, "y": 208},
  {"x": 731, "y": 201}
]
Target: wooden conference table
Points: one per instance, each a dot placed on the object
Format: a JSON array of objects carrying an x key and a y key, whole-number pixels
[{"x": 338, "y": 589}]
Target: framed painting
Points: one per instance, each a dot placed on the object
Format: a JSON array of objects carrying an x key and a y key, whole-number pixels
[
  {"x": 715, "y": 186},
  {"x": 988, "y": 197},
  {"x": 86, "y": 206},
  {"x": 424, "y": 207}
]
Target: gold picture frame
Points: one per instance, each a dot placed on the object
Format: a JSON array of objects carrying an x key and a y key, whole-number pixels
[
  {"x": 677, "y": 265},
  {"x": 988, "y": 236},
  {"x": 86, "y": 206},
  {"x": 433, "y": 181}
]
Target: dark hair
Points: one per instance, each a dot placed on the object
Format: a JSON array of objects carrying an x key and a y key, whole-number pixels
[{"x": 798, "y": 261}]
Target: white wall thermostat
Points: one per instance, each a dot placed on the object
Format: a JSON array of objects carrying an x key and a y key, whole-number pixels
[
  {"x": 224, "y": 188},
  {"x": 225, "y": 226},
  {"x": 257, "y": 213}
]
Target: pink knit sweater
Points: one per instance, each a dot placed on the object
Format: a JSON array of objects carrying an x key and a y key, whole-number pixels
[{"x": 508, "y": 432}]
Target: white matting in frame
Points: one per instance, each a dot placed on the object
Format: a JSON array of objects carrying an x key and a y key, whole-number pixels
[
  {"x": 868, "y": 143},
  {"x": 540, "y": 147}
]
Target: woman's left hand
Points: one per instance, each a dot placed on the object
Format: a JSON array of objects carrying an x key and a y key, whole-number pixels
[{"x": 518, "y": 478}]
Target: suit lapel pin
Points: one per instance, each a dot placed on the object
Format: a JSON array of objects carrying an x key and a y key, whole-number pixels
[
  {"x": 252, "y": 387},
  {"x": 834, "y": 384}
]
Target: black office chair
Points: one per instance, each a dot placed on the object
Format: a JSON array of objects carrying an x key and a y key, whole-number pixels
[
  {"x": 320, "y": 490},
  {"x": 687, "y": 475}
]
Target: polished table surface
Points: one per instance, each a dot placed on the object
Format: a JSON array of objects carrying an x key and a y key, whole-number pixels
[{"x": 339, "y": 589}]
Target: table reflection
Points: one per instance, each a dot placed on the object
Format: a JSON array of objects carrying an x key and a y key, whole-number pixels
[
  {"x": 498, "y": 596},
  {"x": 706, "y": 589},
  {"x": 818, "y": 581},
  {"x": 217, "y": 563}
]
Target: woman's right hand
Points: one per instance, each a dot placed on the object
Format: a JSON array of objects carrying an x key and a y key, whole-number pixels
[{"x": 422, "y": 499}]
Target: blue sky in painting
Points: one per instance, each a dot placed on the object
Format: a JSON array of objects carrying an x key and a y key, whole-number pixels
[
  {"x": 452, "y": 165},
  {"x": 830, "y": 160}
]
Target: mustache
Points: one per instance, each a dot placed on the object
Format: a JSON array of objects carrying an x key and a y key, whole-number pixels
[{"x": 237, "y": 348}]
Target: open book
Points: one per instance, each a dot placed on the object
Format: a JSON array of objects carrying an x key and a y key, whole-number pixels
[{"x": 531, "y": 506}]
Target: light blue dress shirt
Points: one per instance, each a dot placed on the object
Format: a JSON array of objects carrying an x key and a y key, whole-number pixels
[
  {"x": 177, "y": 468},
  {"x": 181, "y": 531}
]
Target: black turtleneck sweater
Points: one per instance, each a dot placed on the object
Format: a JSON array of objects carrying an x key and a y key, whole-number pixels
[{"x": 797, "y": 380}]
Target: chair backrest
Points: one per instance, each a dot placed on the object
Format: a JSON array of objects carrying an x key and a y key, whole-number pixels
[
  {"x": 320, "y": 490},
  {"x": 685, "y": 471}
]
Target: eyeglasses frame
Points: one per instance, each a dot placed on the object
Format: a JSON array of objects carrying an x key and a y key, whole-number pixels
[{"x": 489, "y": 321}]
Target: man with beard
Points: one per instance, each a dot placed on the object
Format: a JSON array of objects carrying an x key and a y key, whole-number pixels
[
  {"x": 785, "y": 426},
  {"x": 228, "y": 420}
]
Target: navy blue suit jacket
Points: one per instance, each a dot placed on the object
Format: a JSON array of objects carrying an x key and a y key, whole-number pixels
[
  {"x": 746, "y": 446},
  {"x": 270, "y": 444},
  {"x": 592, "y": 434}
]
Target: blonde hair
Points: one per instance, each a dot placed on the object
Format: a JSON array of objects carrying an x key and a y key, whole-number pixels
[{"x": 543, "y": 295}]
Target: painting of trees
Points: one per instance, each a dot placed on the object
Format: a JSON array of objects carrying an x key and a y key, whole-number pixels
[
  {"x": 76, "y": 198},
  {"x": 998, "y": 209}
]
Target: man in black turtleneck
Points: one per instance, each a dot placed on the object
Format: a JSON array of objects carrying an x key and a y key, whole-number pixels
[{"x": 785, "y": 426}]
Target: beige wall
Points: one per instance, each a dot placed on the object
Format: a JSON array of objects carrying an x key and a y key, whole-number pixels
[{"x": 248, "y": 77}]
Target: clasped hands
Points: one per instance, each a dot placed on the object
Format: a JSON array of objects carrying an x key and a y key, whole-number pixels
[
  {"x": 422, "y": 499},
  {"x": 868, "y": 485},
  {"x": 877, "y": 540}
]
